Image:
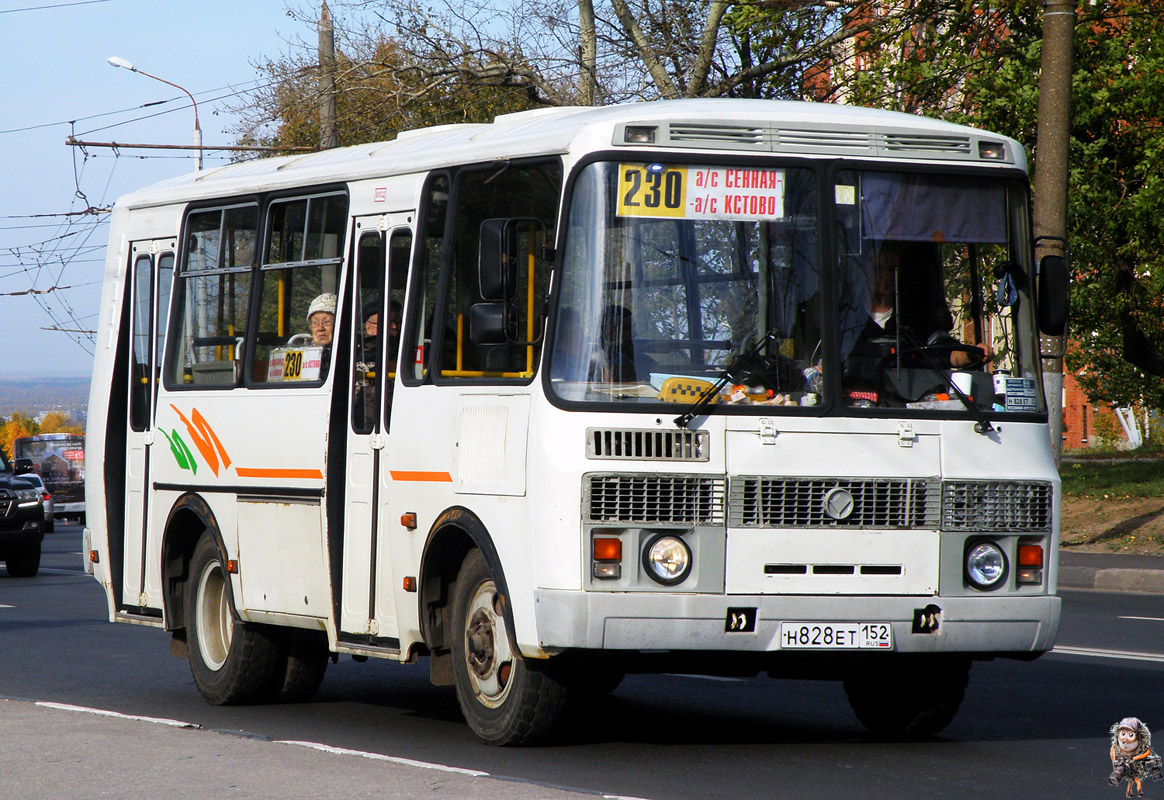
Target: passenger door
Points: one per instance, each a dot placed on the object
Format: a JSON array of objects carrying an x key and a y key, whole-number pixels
[
  {"x": 383, "y": 247},
  {"x": 151, "y": 273}
]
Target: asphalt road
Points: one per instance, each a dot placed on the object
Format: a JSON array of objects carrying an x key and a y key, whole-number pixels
[{"x": 1035, "y": 730}]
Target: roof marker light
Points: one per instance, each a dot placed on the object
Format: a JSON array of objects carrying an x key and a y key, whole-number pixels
[
  {"x": 639, "y": 134},
  {"x": 996, "y": 151}
]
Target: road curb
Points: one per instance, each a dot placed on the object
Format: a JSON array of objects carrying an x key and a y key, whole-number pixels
[{"x": 1108, "y": 573}]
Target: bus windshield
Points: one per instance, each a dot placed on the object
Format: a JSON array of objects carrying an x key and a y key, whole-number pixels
[{"x": 675, "y": 276}]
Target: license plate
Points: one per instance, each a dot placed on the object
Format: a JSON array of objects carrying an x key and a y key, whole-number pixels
[{"x": 836, "y": 636}]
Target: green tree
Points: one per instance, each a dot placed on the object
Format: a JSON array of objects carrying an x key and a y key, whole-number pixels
[
  {"x": 1116, "y": 192},
  {"x": 979, "y": 64}
]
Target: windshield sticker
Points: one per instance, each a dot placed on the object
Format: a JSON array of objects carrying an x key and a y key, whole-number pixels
[
  {"x": 696, "y": 192},
  {"x": 1020, "y": 395}
]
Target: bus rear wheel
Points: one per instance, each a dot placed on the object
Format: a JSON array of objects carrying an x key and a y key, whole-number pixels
[
  {"x": 302, "y": 662},
  {"x": 505, "y": 699},
  {"x": 232, "y": 661},
  {"x": 915, "y": 700}
]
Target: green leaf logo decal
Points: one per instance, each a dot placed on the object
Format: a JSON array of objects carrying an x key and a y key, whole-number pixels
[{"x": 181, "y": 451}]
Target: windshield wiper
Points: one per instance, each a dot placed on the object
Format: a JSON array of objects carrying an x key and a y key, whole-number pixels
[
  {"x": 709, "y": 395},
  {"x": 981, "y": 423}
]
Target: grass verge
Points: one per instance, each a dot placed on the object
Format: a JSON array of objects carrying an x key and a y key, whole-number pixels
[{"x": 1113, "y": 479}]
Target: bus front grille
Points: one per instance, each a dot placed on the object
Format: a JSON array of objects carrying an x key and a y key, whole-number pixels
[
  {"x": 647, "y": 445},
  {"x": 654, "y": 499},
  {"x": 997, "y": 506},
  {"x": 762, "y": 502}
]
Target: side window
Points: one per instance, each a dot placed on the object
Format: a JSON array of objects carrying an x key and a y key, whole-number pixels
[
  {"x": 298, "y": 285},
  {"x": 414, "y": 360},
  {"x": 165, "y": 286},
  {"x": 213, "y": 285},
  {"x": 497, "y": 270},
  {"x": 399, "y": 253},
  {"x": 139, "y": 388},
  {"x": 377, "y": 326},
  {"x": 367, "y": 377}
]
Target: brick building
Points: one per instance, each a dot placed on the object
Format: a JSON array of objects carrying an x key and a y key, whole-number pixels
[{"x": 1085, "y": 424}]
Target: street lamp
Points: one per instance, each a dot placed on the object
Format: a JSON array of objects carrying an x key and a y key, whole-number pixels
[{"x": 114, "y": 61}]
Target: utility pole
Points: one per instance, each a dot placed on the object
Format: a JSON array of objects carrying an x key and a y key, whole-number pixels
[
  {"x": 328, "y": 137},
  {"x": 1050, "y": 201}
]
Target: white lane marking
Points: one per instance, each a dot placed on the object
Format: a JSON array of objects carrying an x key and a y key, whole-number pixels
[
  {"x": 2, "y": 605},
  {"x": 1149, "y": 619},
  {"x": 173, "y": 723},
  {"x": 1099, "y": 652},
  {"x": 408, "y": 762},
  {"x": 54, "y": 571},
  {"x": 722, "y": 678}
]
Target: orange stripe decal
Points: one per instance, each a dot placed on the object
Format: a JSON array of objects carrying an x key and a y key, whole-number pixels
[
  {"x": 249, "y": 472},
  {"x": 429, "y": 477}
]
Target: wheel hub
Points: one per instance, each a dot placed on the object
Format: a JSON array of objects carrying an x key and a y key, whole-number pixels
[{"x": 488, "y": 653}]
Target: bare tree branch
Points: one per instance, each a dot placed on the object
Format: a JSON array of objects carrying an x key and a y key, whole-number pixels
[
  {"x": 707, "y": 46},
  {"x": 587, "y": 53},
  {"x": 647, "y": 53}
]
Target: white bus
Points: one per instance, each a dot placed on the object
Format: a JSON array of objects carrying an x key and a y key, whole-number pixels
[{"x": 635, "y": 403}]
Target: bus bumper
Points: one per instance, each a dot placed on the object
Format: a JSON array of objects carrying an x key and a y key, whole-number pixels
[{"x": 656, "y": 621}]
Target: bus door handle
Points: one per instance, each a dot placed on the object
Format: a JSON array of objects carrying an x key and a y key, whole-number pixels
[{"x": 378, "y": 440}]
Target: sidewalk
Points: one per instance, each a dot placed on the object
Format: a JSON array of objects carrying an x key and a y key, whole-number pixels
[{"x": 1111, "y": 572}]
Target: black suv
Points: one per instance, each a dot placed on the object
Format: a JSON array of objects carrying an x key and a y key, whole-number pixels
[{"x": 21, "y": 521}]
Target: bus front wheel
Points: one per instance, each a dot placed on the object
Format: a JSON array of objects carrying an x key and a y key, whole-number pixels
[
  {"x": 505, "y": 699},
  {"x": 915, "y": 699},
  {"x": 232, "y": 661}
]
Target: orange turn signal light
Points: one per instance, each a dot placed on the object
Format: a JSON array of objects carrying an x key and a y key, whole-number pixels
[
  {"x": 232, "y": 567},
  {"x": 409, "y": 584},
  {"x": 1030, "y": 555},
  {"x": 607, "y": 549},
  {"x": 94, "y": 557},
  {"x": 408, "y": 520}
]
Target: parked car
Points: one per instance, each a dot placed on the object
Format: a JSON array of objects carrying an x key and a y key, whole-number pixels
[
  {"x": 21, "y": 523},
  {"x": 38, "y": 484}
]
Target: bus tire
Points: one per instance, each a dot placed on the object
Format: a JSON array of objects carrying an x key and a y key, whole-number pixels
[
  {"x": 505, "y": 699},
  {"x": 23, "y": 563},
  {"x": 232, "y": 662},
  {"x": 301, "y": 666},
  {"x": 914, "y": 701}
]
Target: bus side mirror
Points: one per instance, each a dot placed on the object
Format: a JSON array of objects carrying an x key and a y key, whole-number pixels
[
  {"x": 491, "y": 323},
  {"x": 497, "y": 260},
  {"x": 22, "y": 466},
  {"x": 1053, "y": 282}
]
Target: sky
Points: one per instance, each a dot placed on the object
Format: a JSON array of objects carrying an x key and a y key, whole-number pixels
[{"x": 53, "y": 70}]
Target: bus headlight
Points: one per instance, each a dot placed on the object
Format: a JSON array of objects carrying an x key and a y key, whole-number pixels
[
  {"x": 985, "y": 565},
  {"x": 667, "y": 559}
]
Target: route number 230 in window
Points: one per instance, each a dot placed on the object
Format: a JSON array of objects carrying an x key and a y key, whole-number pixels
[{"x": 651, "y": 191}]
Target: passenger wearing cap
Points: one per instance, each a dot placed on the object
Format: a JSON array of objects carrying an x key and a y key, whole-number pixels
[{"x": 321, "y": 319}]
